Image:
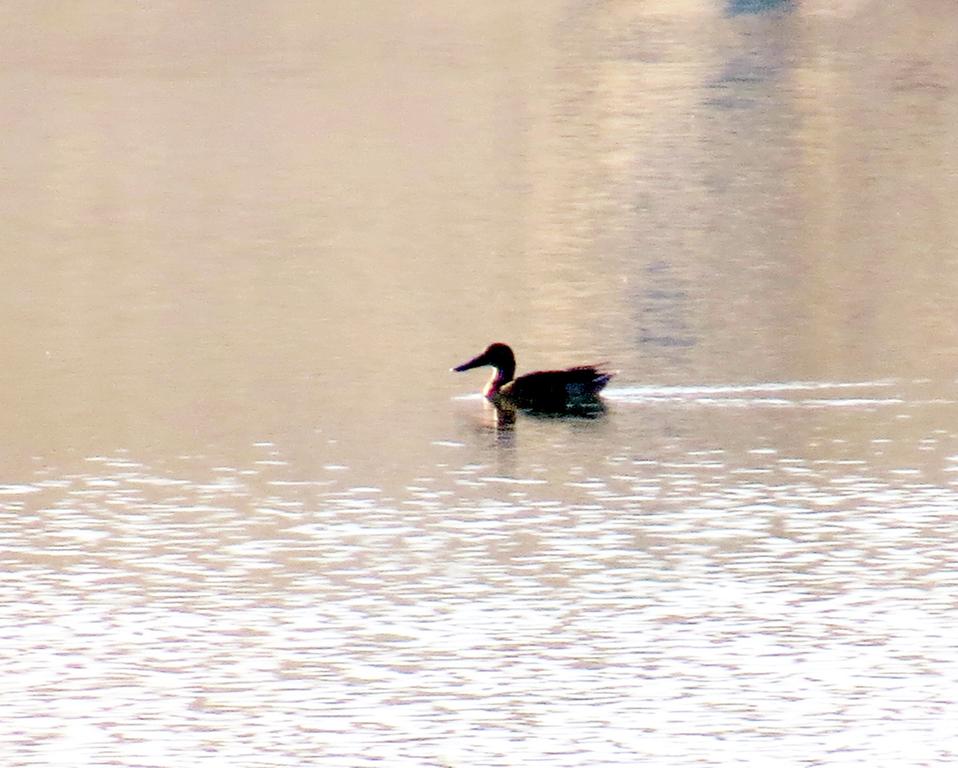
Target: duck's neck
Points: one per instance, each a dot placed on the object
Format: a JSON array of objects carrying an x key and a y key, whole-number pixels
[{"x": 500, "y": 378}]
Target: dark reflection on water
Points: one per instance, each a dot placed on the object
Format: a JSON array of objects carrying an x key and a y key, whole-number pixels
[
  {"x": 736, "y": 7},
  {"x": 247, "y": 517}
]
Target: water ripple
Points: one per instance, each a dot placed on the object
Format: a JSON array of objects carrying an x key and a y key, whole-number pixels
[{"x": 684, "y": 610}]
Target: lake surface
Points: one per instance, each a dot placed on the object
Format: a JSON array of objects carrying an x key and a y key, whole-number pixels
[{"x": 249, "y": 518}]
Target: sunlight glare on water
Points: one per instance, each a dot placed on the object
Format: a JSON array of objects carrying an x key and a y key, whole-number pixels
[{"x": 635, "y": 609}]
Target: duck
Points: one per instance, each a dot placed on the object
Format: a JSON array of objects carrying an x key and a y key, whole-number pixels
[{"x": 558, "y": 390}]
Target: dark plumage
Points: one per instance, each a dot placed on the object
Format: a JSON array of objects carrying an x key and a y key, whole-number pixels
[{"x": 541, "y": 390}]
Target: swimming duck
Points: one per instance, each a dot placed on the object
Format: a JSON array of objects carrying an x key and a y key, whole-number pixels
[{"x": 541, "y": 390}]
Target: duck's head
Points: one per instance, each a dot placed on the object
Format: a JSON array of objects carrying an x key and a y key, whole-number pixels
[{"x": 497, "y": 355}]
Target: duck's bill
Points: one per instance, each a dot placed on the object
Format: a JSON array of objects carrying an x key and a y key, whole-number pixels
[{"x": 476, "y": 362}]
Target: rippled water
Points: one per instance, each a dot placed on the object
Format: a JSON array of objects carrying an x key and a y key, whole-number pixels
[
  {"x": 249, "y": 518},
  {"x": 788, "y": 600}
]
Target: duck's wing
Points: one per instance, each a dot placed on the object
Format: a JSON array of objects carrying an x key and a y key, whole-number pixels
[{"x": 550, "y": 389}]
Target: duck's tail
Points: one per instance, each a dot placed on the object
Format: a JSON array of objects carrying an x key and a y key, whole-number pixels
[
  {"x": 591, "y": 378},
  {"x": 601, "y": 379}
]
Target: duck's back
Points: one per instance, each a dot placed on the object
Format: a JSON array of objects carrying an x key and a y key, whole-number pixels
[{"x": 556, "y": 389}]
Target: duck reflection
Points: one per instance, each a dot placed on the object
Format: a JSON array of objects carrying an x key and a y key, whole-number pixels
[{"x": 501, "y": 416}]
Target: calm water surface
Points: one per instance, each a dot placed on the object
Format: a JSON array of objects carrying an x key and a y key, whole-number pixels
[{"x": 248, "y": 517}]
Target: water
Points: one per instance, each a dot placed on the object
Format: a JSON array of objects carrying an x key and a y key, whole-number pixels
[{"x": 248, "y": 517}]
